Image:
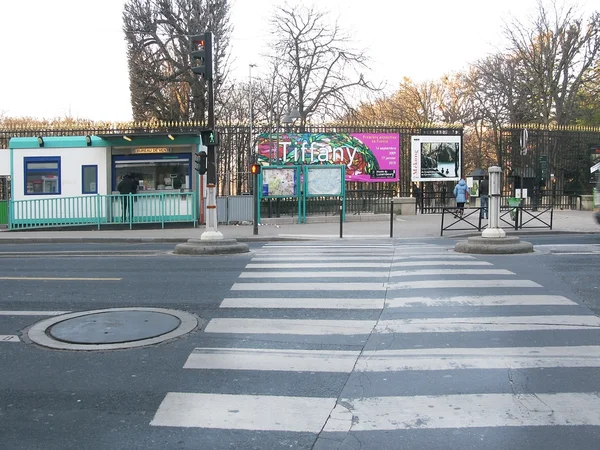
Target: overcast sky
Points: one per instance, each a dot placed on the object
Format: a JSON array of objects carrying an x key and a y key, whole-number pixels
[{"x": 67, "y": 57}]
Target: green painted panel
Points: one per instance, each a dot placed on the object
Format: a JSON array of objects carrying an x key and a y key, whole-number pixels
[
  {"x": 3, "y": 212},
  {"x": 56, "y": 142}
]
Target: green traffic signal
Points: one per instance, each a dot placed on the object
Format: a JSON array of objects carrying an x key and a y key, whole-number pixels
[{"x": 210, "y": 137}]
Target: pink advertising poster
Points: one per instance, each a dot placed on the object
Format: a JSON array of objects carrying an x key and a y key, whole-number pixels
[{"x": 370, "y": 157}]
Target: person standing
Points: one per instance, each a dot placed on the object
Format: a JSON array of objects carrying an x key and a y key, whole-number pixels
[
  {"x": 484, "y": 188},
  {"x": 126, "y": 186},
  {"x": 461, "y": 193}
]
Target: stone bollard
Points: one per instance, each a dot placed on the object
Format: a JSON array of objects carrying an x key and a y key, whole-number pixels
[
  {"x": 493, "y": 230},
  {"x": 493, "y": 240}
]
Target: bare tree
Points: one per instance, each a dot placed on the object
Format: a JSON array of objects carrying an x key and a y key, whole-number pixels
[
  {"x": 158, "y": 37},
  {"x": 316, "y": 69},
  {"x": 555, "y": 55},
  {"x": 412, "y": 103}
]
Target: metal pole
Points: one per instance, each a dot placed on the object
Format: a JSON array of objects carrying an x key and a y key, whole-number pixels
[
  {"x": 392, "y": 219},
  {"x": 211, "y": 232},
  {"x": 341, "y": 220},
  {"x": 442, "y": 226},
  {"x": 522, "y": 171},
  {"x": 524, "y": 142},
  {"x": 250, "y": 154},
  {"x": 256, "y": 205}
]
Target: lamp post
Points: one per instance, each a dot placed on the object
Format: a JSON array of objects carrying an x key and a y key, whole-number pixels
[
  {"x": 250, "y": 66},
  {"x": 254, "y": 159}
]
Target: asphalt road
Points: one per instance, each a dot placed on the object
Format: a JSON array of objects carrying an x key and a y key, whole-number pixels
[{"x": 256, "y": 376}]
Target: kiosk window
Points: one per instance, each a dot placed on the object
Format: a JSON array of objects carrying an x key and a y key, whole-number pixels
[
  {"x": 152, "y": 175},
  {"x": 89, "y": 179},
  {"x": 42, "y": 175}
]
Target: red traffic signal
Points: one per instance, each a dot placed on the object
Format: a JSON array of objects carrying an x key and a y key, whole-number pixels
[
  {"x": 202, "y": 54},
  {"x": 255, "y": 169}
]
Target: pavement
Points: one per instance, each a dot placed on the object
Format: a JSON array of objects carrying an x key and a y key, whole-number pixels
[{"x": 363, "y": 226}]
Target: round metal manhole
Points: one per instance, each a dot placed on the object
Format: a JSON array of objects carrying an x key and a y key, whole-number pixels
[
  {"x": 110, "y": 329},
  {"x": 113, "y": 327}
]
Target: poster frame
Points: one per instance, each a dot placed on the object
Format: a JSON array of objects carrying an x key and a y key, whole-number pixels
[
  {"x": 298, "y": 187},
  {"x": 416, "y": 171},
  {"x": 341, "y": 194}
]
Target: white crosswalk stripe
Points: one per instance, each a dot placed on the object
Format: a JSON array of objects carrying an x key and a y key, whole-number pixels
[
  {"x": 303, "y": 302},
  {"x": 392, "y": 360},
  {"x": 363, "y": 274},
  {"x": 482, "y": 300},
  {"x": 465, "y": 411},
  {"x": 297, "y": 291},
  {"x": 426, "y": 284}
]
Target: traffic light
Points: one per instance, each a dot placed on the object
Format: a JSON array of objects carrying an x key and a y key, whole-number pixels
[
  {"x": 255, "y": 169},
  {"x": 201, "y": 158},
  {"x": 209, "y": 137},
  {"x": 202, "y": 52}
]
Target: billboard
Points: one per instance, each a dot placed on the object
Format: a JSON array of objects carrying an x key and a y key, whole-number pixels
[
  {"x": 436, "y": 158},
  {"x": 372, "y": 157}
]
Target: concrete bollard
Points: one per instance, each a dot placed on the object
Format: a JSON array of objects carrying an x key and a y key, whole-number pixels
[{"x": 493, "y": 230}]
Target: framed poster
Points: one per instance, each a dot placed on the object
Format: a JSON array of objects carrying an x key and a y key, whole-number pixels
[
  {"x": 324, "y": 180},
  {"x": 280, "y": 182},
  {"x": 372, "y": 157},
  {"x": 436, "y": 158}
]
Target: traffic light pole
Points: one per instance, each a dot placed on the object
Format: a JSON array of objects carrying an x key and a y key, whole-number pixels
[
  {"x": 211, "y": 232},
  {"x": 256, "y": 205}
]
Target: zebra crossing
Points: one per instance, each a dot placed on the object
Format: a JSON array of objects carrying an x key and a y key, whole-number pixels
[{"x": 399, "y": 312}]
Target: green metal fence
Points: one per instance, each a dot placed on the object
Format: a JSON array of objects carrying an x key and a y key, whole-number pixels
[
  {"x": 3, "y": 212},
  {"x": 160, "y": 207}
]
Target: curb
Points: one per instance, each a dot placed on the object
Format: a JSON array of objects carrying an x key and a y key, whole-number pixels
[
  {"x": 250, "y": 239},
  {"x": 136, "y": 240},
  {"x": 525, "y": 233}
]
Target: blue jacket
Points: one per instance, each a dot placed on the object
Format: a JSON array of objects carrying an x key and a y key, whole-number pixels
[{"x": 460, "y": 192}]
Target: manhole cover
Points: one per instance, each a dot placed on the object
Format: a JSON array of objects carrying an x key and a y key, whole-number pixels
[{"x": 114, "y": 328}]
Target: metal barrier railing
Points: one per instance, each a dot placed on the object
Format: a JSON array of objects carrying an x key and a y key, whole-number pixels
[
  {"x": 515, "y": 217},
  {"x": 462, "y": 217},
  {"x": 159, "y": 207},
  {"x": 357, "y": 202},
  {"x": 434, "y": 203}
]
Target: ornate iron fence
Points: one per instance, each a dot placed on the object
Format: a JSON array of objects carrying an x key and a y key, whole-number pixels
[
  {"x": 234, "y": 156},
  {"x": 557, "y": 160}
]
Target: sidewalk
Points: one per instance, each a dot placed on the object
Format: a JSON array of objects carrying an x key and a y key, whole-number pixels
[{"x": 419, "y": 226}]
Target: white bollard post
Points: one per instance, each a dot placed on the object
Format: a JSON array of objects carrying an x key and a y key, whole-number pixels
[
  {"x": 211, "y": 233},
  {"x": 493, "y": 230}
]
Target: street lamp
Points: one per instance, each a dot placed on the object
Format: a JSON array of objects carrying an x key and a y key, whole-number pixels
[
  {"x": 255, "y": 168},
  {"x": 250, "y": 66},
  {"x": 291, "y": 116}
]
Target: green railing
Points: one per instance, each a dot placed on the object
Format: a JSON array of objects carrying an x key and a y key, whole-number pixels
[
  {"x": 3, "y": 212},
  {"x": 159, "y": 207}
]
